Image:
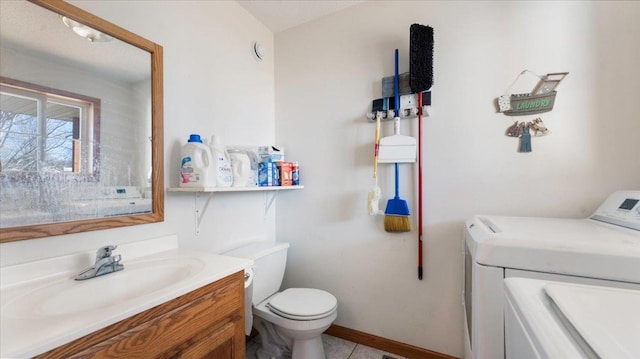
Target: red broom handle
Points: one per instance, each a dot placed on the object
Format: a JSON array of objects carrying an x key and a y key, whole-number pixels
[{"x": 420, "y": 185}]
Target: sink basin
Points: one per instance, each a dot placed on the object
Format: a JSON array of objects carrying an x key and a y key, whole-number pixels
[
  {"x": 43, "y": 307},
  {"x": 66, "y": 296}
]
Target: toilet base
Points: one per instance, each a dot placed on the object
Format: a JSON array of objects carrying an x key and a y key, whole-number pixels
[
  {"x": 297, "y": 342},
  {"x": 272, "y": 344},
  {"x": 308, "y": 348},
  {"x": 281, "y": 348}
]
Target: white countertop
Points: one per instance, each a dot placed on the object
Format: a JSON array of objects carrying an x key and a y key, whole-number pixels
[{"x": 26, "y": 332}]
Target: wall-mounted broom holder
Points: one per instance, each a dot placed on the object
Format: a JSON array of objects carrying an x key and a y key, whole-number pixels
[
  {"x": 408, "y": 107},
  {"x": 406, "y": 114}
]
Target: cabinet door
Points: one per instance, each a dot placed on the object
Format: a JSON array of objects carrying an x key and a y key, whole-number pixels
[
  {"x": 205, "y": 323},
  {"x": 217, "y": 345}
]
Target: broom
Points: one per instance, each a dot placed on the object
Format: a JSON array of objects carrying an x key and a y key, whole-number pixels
[
  {"x": 421, "y": 79},
  {"x": 396, "y": 215}
]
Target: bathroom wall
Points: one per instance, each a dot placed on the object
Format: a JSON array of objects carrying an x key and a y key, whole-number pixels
[
  {"x": 328, "y": 71},
  {"x": 212, "y": 84}
]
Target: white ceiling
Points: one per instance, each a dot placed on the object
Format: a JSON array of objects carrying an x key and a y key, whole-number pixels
[{"x": 279, "y": 15}]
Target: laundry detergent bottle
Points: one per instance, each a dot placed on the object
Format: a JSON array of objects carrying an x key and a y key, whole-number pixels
[
  {"x": 196, "y": 164},
  {"x": 221, "y": 163}
]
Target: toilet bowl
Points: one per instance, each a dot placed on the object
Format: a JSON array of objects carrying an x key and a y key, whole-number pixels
[
  {"x": 300, "y": 330},
  {"x": 290, "y": 322}
]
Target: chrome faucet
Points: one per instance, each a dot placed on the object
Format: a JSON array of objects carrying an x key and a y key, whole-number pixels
[{"x": 105, "y": 264}]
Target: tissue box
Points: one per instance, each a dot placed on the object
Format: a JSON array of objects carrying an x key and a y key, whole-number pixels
[{"x": 271, "y": 153}]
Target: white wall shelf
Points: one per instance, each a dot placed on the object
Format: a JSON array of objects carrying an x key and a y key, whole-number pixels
[
  {"x": 269, "y": 197},
  {"x": 232, "y": 189}
]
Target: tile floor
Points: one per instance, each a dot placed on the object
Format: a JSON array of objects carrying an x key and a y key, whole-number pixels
[{"x": 335, "y": 348}]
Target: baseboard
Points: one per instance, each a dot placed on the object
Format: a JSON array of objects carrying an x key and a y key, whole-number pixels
[{"x": 387, "y": 345}]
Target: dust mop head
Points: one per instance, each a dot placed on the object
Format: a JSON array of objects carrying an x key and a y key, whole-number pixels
[
  {"x": 420, "y": 57},
  {"x": 374, "y": 198}
]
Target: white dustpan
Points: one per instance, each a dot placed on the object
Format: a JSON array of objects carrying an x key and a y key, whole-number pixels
[{"x": 397, "y": 148}]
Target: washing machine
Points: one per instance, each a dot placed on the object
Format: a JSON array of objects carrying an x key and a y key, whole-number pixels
[
  {"x": 548, "y": 319},
  {"x": 602, "y": 250}
]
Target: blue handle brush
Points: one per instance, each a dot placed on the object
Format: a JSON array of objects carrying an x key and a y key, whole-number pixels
[{"x": 396, "y": 215}]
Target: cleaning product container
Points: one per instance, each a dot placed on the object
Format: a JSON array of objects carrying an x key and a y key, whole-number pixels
[
  {"x": 221, "y": 163},
  {"x": 196, "y": 164},
  {"x": 243, "y": 174}
]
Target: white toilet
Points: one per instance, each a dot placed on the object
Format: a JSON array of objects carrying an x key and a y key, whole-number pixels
[{"x": 290, "y": 322}]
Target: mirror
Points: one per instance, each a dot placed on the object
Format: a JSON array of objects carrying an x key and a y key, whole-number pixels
[{"x": 81, "y": 142}]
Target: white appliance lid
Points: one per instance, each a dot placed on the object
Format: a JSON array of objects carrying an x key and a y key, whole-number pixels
[
  {"x": 608, "y": 319},
  {"x": 581, "y": 247},
  {"x": 303, "y": 302},
  {"x": 534, "y": 313}
]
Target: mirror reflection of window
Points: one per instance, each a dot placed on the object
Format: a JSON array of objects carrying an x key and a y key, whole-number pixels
[
  {"x": 18, "y": 133},
  {"x": 62, "y": 132},
  {"x": 43, "y": 130}
]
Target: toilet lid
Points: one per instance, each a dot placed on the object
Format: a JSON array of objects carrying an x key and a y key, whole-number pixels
[{"x": 303, "y": 303}]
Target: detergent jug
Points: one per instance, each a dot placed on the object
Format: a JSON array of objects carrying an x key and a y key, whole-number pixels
[{"x": 196, "y": 164}]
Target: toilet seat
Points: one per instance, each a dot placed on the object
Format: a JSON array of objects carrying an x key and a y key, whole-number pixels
[{"x": 303, "y": 303}]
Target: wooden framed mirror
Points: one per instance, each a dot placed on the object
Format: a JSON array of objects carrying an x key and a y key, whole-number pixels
[{"x": 81, "y": 132}]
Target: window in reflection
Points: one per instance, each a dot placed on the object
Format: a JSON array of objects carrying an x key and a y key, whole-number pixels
[
  {"x": 43, "y": 130},
  {"x": 62, "y": 133}
]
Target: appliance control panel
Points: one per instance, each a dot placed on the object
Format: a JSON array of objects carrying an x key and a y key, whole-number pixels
[{"x": 621, "y": 208}]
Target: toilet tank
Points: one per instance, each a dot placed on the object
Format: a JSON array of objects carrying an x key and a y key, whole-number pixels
[{"x": 270, "y": 259}]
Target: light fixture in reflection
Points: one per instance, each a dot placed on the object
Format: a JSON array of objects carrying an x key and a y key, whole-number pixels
[{"x": 85, "y": 31}]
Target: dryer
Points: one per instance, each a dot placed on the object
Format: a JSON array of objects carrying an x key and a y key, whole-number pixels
[
  {"x": 547, "y": 319},
  {"x": 603, "y": 249}
]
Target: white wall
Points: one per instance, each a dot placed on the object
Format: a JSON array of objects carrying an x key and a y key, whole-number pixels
[
  {"x": 327, "y": 73},
  {"x": 211, "y": 84}
]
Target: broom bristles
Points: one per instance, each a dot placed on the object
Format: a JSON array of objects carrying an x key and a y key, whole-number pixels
[{"x": 397, "y": 224}]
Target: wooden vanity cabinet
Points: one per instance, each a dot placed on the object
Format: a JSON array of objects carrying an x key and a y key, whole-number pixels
[{"x": 205, "y": 323}]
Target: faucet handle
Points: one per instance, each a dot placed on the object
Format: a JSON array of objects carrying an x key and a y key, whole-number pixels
[{"x": 105, "y": 252}]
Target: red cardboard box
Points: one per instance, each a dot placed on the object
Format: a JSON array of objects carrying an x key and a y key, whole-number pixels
[{"x": 286, "y": 178}]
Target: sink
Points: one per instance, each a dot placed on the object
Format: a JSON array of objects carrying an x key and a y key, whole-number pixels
[
  {"x": 66, "y": 296},
  {"x": 42, "y": 306}
]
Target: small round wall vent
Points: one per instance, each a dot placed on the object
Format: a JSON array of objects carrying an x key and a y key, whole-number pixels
[{"x": 258, "y": 50}]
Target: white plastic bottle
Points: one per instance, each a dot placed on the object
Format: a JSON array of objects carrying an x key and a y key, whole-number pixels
[
  {"x": 221, "y": 163},
  {"x": 241, "y": 167},
  {"x": 196, "y": 164}
]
